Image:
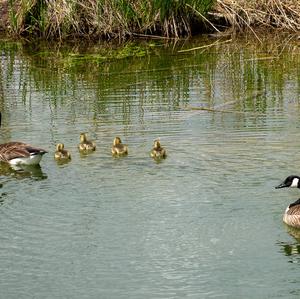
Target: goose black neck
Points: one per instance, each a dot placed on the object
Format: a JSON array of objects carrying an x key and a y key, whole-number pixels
[{"x": 297, "y": 202}]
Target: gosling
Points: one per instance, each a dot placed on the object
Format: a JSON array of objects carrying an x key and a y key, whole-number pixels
[
  {"x": 86, "y": 145},
  {"x": 118, "y": 148},
  {"x": 157, "y": 151},
  {"x": 61, "y": 154}
]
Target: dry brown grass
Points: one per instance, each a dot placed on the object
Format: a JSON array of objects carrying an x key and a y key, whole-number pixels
[
  {"x": 114, "y": 19},
  {"x": 241, "y": 14},
  {"x": 106, "y": 18}
]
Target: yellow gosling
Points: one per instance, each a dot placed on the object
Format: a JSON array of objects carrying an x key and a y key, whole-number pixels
[
  {"x": 118, "y": 148},
  {"x": 157, "y": 151},
  {"x": 86, "y": 145},
  {"x": 61, "y": 154}
]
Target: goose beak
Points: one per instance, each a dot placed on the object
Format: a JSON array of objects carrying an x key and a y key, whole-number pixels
[{"x": 282, "y": 185}]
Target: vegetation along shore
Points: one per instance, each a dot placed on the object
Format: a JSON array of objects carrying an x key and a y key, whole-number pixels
[{"x": 120, "y": 19}]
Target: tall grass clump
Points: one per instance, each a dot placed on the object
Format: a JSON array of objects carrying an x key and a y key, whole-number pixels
[
  {"x": 107, "y": 18},
  {"x": 241, "y": 14}
]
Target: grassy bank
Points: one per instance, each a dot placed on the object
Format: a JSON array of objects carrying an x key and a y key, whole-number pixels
[
  {"x": 119, "y": 19},
  {"x": 106, "y": 18}
]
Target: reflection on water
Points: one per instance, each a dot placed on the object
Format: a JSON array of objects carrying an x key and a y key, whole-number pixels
[
  {"x": 21, "y": 172},
  {"x": 2, "y": 195},
  {"x": 203, "y": 223},
  {"x": 292, "y": 249},
  {"x": 63, "y": 161},
  {"x": 294, "y": 232}
]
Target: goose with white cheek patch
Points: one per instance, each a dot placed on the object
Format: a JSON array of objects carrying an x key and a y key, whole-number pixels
[
  {"x": 19, "y": 153},
  {"x": 291, "y": 215}
]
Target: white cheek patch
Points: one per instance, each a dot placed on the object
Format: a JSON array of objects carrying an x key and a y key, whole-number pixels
[{"x": 295, "y": 182}]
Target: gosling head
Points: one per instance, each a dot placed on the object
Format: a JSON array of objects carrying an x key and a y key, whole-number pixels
[
  {"x": 83, "y": 137},
  {"x": 156, "y": 144},
  {"x": 60, "y": 147},
  {"x": 292, "y": 181},
  {"x": 117, "y": 141}
]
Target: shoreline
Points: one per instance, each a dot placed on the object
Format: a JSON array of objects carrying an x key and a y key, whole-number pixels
[{"x": 225, "y": 17}]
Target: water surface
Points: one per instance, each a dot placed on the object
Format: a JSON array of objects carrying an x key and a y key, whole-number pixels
[{"x": 204, "y": 223}]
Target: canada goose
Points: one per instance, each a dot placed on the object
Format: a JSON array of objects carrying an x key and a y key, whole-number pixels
[
  {"x": 61, "y": 154},
  {"x": 157, "y": 151},
  {"x": 20, "y": 153},
  {"x": 118, "y": 148},
  {"x": 86, "y": 145},
  {"x": 291, "y": 215}
]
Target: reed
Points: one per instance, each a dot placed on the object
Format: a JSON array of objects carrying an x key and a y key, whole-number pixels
[
  {"x": 242, "y": 14},
  {"x": 106, "y": 18}
]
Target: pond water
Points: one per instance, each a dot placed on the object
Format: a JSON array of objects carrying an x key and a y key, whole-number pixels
[{"x": 206, "y": 222}]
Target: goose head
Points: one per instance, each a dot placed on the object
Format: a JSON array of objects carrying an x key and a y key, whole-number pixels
[{"x": 292, "y": 181}]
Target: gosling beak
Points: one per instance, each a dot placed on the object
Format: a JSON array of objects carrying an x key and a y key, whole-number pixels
[{"x": 282, "y": 185}]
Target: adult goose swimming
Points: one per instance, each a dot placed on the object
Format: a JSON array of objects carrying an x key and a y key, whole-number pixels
[
  {"x": 19, "y": 153},
  {"x": 291, "y": 215}
]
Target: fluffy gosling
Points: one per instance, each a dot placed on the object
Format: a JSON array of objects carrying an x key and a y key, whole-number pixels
[
  {"x": 118, "y": 148},
  {"x": 86, "y": 145}
]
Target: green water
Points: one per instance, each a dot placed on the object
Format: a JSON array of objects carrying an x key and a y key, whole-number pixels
[{"x": 204, "y": 223}]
